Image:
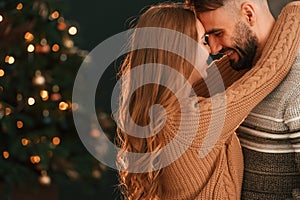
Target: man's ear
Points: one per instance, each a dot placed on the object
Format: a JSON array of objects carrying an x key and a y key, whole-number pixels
[{"x": 248, "y": 13}]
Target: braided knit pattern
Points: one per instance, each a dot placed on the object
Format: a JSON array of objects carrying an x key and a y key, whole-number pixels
[{"x": 218, "y": 175}]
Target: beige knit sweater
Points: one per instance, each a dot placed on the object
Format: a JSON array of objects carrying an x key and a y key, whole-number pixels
[{"x": 218, "y": 175}]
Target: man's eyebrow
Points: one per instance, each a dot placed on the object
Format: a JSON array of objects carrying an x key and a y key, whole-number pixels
[{"x": 213, "y": 31}]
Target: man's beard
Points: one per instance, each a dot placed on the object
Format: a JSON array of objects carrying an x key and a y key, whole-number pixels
[{"x": 246, "y": 44}]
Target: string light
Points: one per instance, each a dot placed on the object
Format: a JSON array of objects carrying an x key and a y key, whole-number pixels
[
  {"x": 56, "y": 141},
  {"x": 28, "y": 36},
  {"x": 38, "y": 78},
  {"x": 55, "y": 88},
  {"x": 42, "y": 48},
  {"x": 2, "y": 72},
  {"x": 20, "y": 124},
  {"x": 55, "y": 48},
  {"x": 63, "y": 57},
  {"x": 5, "y": 154},
  {"x": 1, "y": 18},
  {"x": 55, "y": 15},
  {"x": 31, "y": 101},
  {"x": 44, "y": 179},
  {"x": 44, "y": 95},
  {"x": 45, "y": 113},
  {"x": 72, "y": 30},
  {"x": 19, "y": 97},
  {"x": 7, "y": 111},
  {"x": 35, "y": 159},
  {"x": 61, "y": 26},
  {"x": 43, "y": 41},
  {"x": 25, "y": 142},
  {"x": 19, "y": 6},
  {"x": 68, "y": 43},
  {"x": 55, "y": 96},
  {"x": 30, "y": 48},
  {"x": 9, "y": 59},
  {"x": 63, "y": 106},
  {"x": 96, "y": 173}
]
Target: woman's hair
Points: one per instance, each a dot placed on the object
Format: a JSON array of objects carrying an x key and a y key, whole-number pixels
[
  {"x": 205, "y": 5},
  {"x": 172, "y": 16}
]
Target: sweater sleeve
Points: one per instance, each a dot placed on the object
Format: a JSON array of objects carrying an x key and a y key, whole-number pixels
[{"x": 228, "y": 110}]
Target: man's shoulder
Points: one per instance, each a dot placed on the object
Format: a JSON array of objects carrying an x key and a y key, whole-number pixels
[{"x": 293, "y": 3}]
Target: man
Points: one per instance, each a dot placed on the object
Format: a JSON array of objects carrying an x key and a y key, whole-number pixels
[{"x": 270, "y": 135}]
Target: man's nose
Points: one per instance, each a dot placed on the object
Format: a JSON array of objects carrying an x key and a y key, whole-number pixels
[{"x": 215, "y": 46}]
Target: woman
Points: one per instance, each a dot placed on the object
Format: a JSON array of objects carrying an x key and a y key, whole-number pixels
[{"x": 205, "y": 161}]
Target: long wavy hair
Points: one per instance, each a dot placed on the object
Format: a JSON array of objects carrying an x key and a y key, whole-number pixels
[{"x": 172, "y": 16}]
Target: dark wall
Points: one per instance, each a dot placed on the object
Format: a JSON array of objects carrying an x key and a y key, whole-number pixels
[{"x": 99, "y": 20}]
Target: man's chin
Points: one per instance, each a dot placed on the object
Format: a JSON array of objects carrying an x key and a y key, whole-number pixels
[
  {"x": 235, "y": 65},
  {"x": 240, "y": 65}
]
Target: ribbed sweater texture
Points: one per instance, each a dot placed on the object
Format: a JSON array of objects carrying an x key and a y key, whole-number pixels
[
  {"x": 270, "y": 139},
  {"x": 213, "y": 171}
]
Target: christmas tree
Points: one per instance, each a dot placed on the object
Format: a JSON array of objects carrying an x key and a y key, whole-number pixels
[{"x": 38, "y": 65}]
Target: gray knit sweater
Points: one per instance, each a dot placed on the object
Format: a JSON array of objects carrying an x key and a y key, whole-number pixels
[{"x": 270, "y": 137}]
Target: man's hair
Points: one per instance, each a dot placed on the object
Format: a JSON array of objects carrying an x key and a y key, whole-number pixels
[{"x": 205, "y": 5}]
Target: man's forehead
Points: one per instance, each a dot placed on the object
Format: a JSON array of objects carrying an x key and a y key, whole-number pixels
[{"x": 215, "y": 20}]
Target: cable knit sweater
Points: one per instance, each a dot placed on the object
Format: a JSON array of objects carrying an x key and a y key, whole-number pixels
[
  {"x": 214, "y": 171},
  {"x": 270, "y": 137}
]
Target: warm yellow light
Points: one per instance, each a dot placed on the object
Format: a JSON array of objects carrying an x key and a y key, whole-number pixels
[
  {"x": 46, "y": 113},
  {"x": 20, "y": 124},
  {"x": 30, "y": 48},
  {"x": 69, "y": 43},
  {"x": 5, "y": 154},
  {"x": 19, "y": 97},
  {"x": 43, "y": 41},
  {"x": 19, "y": 6},
  {"x": 2, "y": 72},
  {"x": 72, "y": 30},
  {"x": 1, "y": 18},
  {"x": 44, "y": 95},
  {"x": 61, "y": 20},
  {"x": 25, "y": 141},
  {"x": 55, "y": 88},
  {"x": 35, "y": 159},
  {"x": 44, "y": 179},
  {"x": 55, "y": 15},
  {"x": 63, "y": 106},
  {"x": 55, "y": 48},
  {"x": 39, "y": 79},
  {"x": 56, "y": 141},
  {"x": 28, "y": 36},
  {"x": 7, "y": 111},
  {"x": 9, "y": 59},
  {"x": 31, "y": 101}
]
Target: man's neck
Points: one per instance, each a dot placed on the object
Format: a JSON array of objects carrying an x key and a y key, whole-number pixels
[{"x": 266, "y": 27}]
